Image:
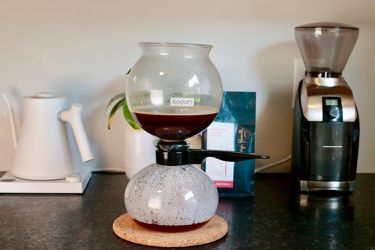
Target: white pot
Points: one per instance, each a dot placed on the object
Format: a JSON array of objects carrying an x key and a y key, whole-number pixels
[{"x": 139, "y": 150}]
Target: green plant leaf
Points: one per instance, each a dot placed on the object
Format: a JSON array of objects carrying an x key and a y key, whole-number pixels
[
  {"x": 119, "y": 96},
  {"x": 121, "y": 103},
  {"x": 114, "y": 109},
  {"x": 128, "y": 115}
]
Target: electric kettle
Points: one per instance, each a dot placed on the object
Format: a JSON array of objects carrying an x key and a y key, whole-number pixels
[{"x": 43, "y": 150}]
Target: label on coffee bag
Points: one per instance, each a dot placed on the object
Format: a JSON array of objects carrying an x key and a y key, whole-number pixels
[
  {"x": 220, "y": 136},
  {"x": 181, "y": 101}
]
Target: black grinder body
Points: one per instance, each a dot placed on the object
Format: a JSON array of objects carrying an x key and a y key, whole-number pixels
[{"x": 325, "y": 150}]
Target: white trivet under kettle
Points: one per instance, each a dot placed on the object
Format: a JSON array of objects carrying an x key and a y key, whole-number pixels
[{"x": 43, "y": 161}]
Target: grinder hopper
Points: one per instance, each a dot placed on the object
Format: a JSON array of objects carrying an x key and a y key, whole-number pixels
[{"x": 325, "y": 47}]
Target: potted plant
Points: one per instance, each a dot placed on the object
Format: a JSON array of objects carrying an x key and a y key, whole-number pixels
[{"x": 139, "y": 151}]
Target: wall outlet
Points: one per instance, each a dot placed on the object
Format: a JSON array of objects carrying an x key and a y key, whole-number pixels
[{"x": 299, "y": 74}]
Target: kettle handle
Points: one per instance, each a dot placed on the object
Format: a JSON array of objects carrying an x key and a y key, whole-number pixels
[{"x": 73, "y": 117}]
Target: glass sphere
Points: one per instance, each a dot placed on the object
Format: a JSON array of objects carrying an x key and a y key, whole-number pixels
[
  {"x": 171, "y": 196},
  {"x": 174, "y": 90}
]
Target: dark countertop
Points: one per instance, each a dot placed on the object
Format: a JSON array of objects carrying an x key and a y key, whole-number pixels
[{"x": 275, "y": 218}]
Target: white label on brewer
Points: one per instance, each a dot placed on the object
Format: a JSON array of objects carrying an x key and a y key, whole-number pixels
[
  {"x": 220, "y": 136},
  {"x": 181, "y": 101}
]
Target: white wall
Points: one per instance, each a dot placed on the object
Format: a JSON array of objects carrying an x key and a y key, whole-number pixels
[{"x": 82, "y": 49}]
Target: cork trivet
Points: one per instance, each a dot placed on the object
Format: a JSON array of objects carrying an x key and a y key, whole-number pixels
[{"x": 128, "y": 229}]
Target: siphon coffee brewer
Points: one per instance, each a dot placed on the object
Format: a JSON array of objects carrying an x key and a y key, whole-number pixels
[{"x": 174, "y": 91}]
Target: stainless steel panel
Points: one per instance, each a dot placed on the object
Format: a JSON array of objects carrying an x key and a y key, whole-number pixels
[
  {"x": 308, "y": 186},
  {"x": 314, "y": 88}
]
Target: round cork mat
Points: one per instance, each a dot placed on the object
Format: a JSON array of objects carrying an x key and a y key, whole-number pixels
[{"x": 128, "y": 229}]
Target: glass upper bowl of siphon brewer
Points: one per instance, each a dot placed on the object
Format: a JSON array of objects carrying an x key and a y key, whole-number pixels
[{"x": 174, "y": 90}]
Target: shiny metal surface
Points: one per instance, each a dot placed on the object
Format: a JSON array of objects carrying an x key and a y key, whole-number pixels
[
  {"x": 308, "y": 186},
  {"x": 314, "y": 88}
]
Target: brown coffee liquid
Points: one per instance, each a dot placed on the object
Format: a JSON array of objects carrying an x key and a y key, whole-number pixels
[
  {"x": 171, "y": 229},
  {"x": 179, "y": 125}
]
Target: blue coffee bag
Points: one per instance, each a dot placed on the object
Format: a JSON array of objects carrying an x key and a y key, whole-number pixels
[{"x": 233, "y": 129}]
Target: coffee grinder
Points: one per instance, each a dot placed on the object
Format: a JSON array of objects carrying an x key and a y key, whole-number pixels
[{"x": 326, "y": 122}]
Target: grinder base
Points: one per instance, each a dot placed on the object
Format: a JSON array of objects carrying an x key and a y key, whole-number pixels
[{"x": 311, "y": 186}]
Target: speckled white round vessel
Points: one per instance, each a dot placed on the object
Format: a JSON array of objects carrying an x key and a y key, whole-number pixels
[{"x": 171, "y": 195}]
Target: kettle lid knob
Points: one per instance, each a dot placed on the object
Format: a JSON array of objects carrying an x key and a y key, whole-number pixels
[{"x": 44, "y": 95}]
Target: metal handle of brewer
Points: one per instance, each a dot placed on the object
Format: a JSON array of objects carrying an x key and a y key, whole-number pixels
[
  {"x": 196, "y": 156},
  {"x": 178, "y": 153}
]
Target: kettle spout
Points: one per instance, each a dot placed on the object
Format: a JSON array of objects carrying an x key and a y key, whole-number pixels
[{"x": 73, "y": 117}]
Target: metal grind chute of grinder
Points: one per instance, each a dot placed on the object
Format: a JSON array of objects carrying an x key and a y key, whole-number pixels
[{"x": 175, "y": 92}]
